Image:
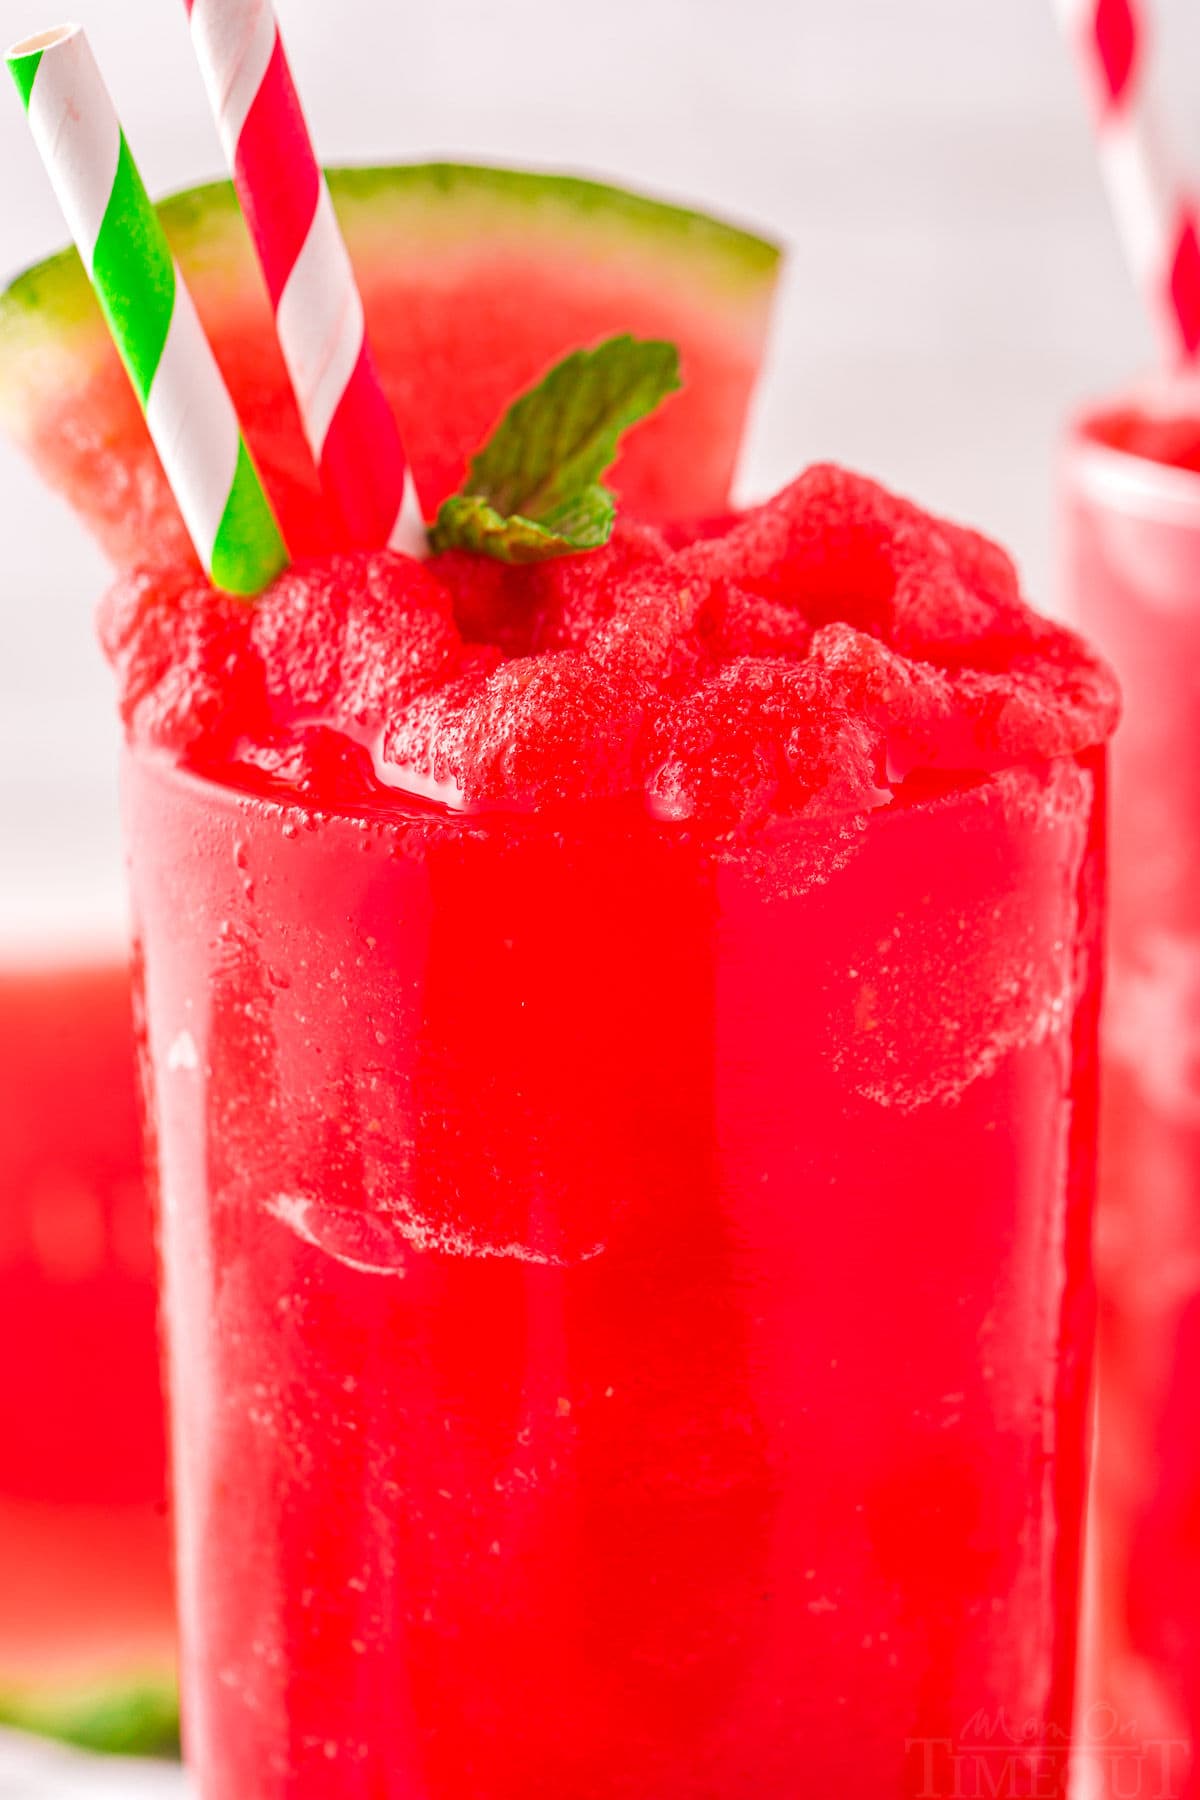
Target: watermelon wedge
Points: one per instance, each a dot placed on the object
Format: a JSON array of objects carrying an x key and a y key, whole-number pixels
[
  {"x": 87, "y": 1638},
  {"x": 129, "y": 1718},
  {"x": 475, "y": 280}
]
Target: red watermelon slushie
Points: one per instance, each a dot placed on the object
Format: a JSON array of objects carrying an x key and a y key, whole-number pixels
[
  {"x": 621, "y": 1033},
  {"x": 623, "y": 1050},
  {"x": 1131, "y": 567}
]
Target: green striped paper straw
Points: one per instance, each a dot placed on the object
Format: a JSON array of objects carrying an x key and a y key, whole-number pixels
[{"x": 149, "y": 310}]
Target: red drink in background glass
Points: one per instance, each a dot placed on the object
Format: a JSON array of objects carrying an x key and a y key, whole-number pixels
[
  {"x": 1131, "y": 549},
  {"x": 627, "y": 1253},
  {"x": 85, "y": 1592}
]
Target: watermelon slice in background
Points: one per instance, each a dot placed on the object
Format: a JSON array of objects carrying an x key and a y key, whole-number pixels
[
  {"x": 475, "y": 280},
  {"x": 86, "y": 1616}
]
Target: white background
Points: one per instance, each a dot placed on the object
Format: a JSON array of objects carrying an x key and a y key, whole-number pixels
[{"x": 954, "y": 284}]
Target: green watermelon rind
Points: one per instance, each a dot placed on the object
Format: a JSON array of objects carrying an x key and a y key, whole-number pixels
[
  {"x": 48, "y": 314},
  {"x": 132, "y": 1716}
]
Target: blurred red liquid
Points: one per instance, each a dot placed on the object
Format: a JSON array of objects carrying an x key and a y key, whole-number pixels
[
  {"x": 629, "y": 1312},
  {"x": 1131, "y": 543},
  {"x": 85, "y": 1595}
]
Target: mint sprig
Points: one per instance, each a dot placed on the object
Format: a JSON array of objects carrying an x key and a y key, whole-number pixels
[{"x": 534, "y": 490}]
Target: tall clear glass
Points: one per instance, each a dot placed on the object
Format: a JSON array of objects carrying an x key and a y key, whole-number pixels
[
  {"x": 629, "y": 1302},
  {"x": 1131, "y": 577}
]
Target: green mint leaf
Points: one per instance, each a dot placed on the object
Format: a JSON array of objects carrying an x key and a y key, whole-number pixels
[
  {"x": 534, "y": 490},
  {"x": 560, "y": 437},
  {"x": 468, "y": 522}
]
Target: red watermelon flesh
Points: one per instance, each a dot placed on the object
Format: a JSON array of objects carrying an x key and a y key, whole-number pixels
[
  {"x": 475, "y": 281},
  {"x": 86, "y": 1613}
]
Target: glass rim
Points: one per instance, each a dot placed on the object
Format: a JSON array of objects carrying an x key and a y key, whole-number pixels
[
  {"x": 412, "y": 814},
  {"x": 416, "y": 819},
  {"x": 1125, "y": 481}
]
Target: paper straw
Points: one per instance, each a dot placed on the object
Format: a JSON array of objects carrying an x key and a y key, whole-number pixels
[
  {"x": 1155, "y": 216},
  {"x": 318, "y": 309},
  {"x": 149, "y": 310}
]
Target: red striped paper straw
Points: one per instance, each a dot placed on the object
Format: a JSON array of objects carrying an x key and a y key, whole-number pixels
[
  {"x": 1155, "y": 215},
  {"x": 318, "y": 309}
]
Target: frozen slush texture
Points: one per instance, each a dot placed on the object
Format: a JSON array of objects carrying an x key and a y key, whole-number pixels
[
  {"x": 624, "y": 1076},
  {"x": 812, "y": 654},
  {"x": 1166, "y": 436}
]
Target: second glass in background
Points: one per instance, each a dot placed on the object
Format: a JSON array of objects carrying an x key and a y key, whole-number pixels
[{"x": 1130, "y": 512}]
